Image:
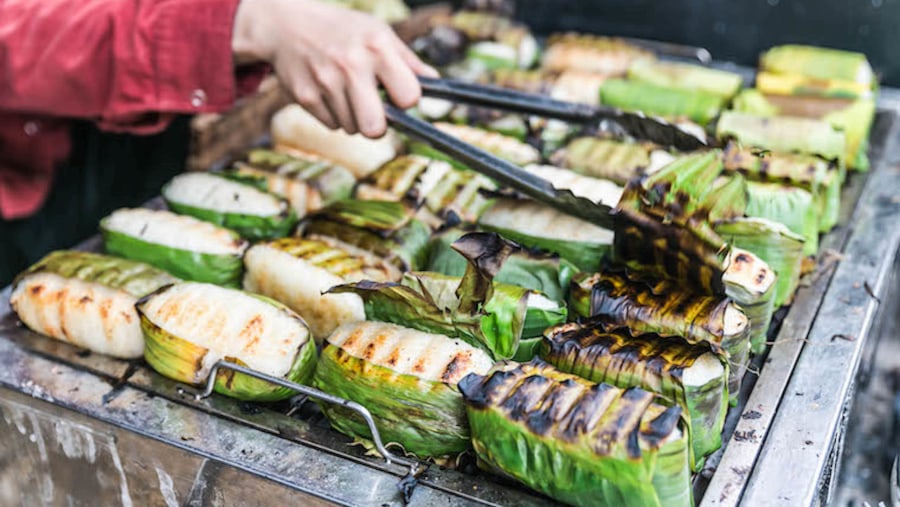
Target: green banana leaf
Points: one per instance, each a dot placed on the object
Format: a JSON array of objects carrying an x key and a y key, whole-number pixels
[
  {"x": 528, "y": 424},
  {"x": 617, "y": 161},
  {"x": 385, "y": 228},
  {"x": 784, "y": 134},
  {"x": 689, "y": 375},
  {"x": 819, "y": 63},
  {"x": 774, "y": 243},
  {"x": 188, "y": 326},
  {"x": 666, "y": 308},
  {"x": 407, "y": 379},
  {"x": 197, "y": 265},
  {"x": 544, "y": 273},
  {"x": 683, "y": 76},
  {"x": 791, "y": 206},
  {"x": 484, "y": 314},
  {"x": 701, "y": 107}
]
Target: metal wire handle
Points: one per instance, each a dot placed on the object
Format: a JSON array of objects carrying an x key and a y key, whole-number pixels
[{"x": 389, "y": 457}]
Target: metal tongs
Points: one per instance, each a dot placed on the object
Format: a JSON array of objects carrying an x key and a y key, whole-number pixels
[{"x": 510, "y": 175}]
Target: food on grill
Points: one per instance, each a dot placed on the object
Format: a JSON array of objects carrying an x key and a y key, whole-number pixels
[
  {"x": 774, "y": 243},
  {"x": 391, "y": 11},
  {"x": 684, "y": 374},
  {"x": 483, "y": 313},
  {"x": 250, "y": 212},
  {"x": 578, "y": 86},
  {"x": 576, "y": 441},
  {"x": 385, "y": 228},
  {"x": 791, "y": 206},
  {"x": 297, "y": 272},
  {"x": 535, "y": 225},
  {"x": 188, "y": 248},
  {"x": 505, "y": 147},
  {"x": 795, "y": 69},
  {"x": 783, "y": 134},
  {"x": 609, "y": 159},
  {"x": 603, "y": 55},
  {"x": 308, "y": 183},
  {"x": 190, "y": 326},
  {"x": 87, "y": 300},
  {"x": 698, "y": 106},
  {"x": 295, "y": 129},
  {"x": 545, "y": 273},
  {"x": 685, "y": 76},
  {"x": 434, "y": 184},
  {"x": 406, "y": 378},
  {"x": 666, "y": 308},
  {"x": 593, "y": 189}
]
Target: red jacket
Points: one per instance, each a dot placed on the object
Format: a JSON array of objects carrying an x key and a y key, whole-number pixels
[{"x": 128, "y": 65}]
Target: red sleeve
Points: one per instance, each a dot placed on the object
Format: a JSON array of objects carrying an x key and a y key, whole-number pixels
[{"x": 126, "y": 64}]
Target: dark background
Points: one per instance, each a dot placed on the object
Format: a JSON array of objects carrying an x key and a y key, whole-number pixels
[{"x": 736, "y": 30}]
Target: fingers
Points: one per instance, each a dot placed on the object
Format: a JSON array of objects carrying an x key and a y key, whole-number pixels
[
  {"x": 306, "y": 92},
  {"x": 333, "y": 84},
  {"x": 416, "y": 64},
  {"x": 367, "y": 106}
]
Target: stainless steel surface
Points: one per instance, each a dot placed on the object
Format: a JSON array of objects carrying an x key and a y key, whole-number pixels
[{"x": 781, "y": 452}]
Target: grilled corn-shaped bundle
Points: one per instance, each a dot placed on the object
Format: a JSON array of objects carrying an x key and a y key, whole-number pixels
[
  {"x": 190, "y": 326},
  {"x": 384, "y": 228},
  {"x": 853, "y": 118},
  {"x": 698, "y": 106},
  {"x": 576, "y": 441},
  {"x": 813, "y": 174},
  {"x": 298, "y": 271},
  {"x": 610, "y": 159},
  {"x": 406, "y": 378},
  {"x": 87, "y": 300},
  {"x": 801, "y": 70},
  {"x": 535, "y": 225},
  {"x": 434, "y": 184},
  {"x": 295, "y": 129},
  {"x": 308, "y": 183},
  {"x": 505, "y": 147},
  {"x": 685, "y": 76},
  {"x": 666, "y": 308},
  {"x": 188, "y": 248},
  {"x": 489, "y": 315},
  {"x": 603, "y": 55},
  {"x": 593, "y": 189},
  {"x": 250, "y": 212},
  {"x": 794, "y": 207},
  {"x": 544, "y": 273},
  {"x": 684, "y": 374},
  {"x": 783, "y": 134},
  {"x": 774, "y": 243}
]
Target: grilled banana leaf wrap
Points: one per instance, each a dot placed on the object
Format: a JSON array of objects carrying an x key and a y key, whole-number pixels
[
  {"x": 791, "y": 206},
  {"x": 575, "y": 441},
  {"x": 615, "y": 160},
  {"x": 665, "y": 308},
  {"x": 87, "y": 300},
  {"x": 384, "y": 228},
  {"x": 406, "y": 379},
  {"x": 699, "y": 106},
  {"x": 190, "y": 326},
  {"x": 485, "y": 314},
  {"x": 189, "y": 248},
  {"x": 690, "y": 375}
]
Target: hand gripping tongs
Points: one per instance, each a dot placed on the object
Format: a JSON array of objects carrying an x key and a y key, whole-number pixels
[{"x": 505, "y": 173}]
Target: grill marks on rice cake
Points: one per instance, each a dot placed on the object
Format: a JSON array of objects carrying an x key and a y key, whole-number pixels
[{"x": 432, "y": 357}]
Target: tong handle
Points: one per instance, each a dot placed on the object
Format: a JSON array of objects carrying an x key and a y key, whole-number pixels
[{"x": 508, "y": 100}]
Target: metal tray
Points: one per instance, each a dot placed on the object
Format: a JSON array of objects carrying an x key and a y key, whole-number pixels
[{"x": 133, "y": 437}]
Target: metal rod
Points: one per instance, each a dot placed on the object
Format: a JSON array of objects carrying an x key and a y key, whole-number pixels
[{"x": 312, "y": 393}]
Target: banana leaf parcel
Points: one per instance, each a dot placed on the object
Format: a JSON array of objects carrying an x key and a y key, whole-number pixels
[
  {"x": 791, "y": 206},
  {"x": 684, "y": 76},
  {"x": 698, "y": 106},
  {"x": 788, "y": 134},
  {"x": 816, "y": 71},
  {"x": 617, "y": 161},
  {"x": 578, "y": 442}
]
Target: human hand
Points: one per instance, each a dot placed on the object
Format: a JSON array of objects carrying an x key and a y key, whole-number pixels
[{"x": 330, "y": 59}]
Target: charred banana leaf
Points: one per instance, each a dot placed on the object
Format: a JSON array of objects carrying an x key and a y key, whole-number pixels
[
  {"x": 689, "y": 375},
  {"x": 698, "y": 106},
  {"x": 419, "y": 181},
  {"x": 190, "y": 326},
  {"x": 666, "y": 308},
  {"x": 87, "y": 300},
  {"x": 578, "y": 442},
  {"x": 786, "y": 134},
  {"x": 297, "y": 272},
  {"x": 309, "y": 184},
  {"x": 406, "y": 378},
  {"x": 686, "y": 77},
  {"x": 189, "y": 248},
  {"x": 250, "y": 212},
  {"x": 485, "y": 314},
  {"x": 385, "y": 228},
  {"x": 617, "y": 161}
]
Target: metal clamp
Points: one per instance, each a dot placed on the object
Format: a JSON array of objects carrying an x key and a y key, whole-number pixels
[{"x": 414, "y": 466}]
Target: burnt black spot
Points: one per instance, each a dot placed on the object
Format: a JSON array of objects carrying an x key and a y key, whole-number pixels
[
  {"x": 526, "y": 396},
  {"x": 451, "y": 369},
  {"x": 742, "y": 258},
  {"x": 662, "y": 426},
  {"x": 36, "y": 290},
  {"x": 85, "y": 300},
  {"x": 761, "y": 276}
]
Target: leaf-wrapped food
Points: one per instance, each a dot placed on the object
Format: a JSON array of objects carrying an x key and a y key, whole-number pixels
[
  {"x": 698, "y": 106},
  {"x": 506, "y": 147},
  {"x": 684, "y": 76},
  {"x": 87, "y": 300},
  {"x": 794, "y": 207},
  {"x": 617, "y": 161},
  {"x": 689, "y": 375},
  {"x": 190, "y": 326},
  {"x": 787, "y": 134},
  {"x": 406, "y": 378},
  {"x": 602, "y": 55},
  {"x": 576, "y": 441},
  {"x": 850, "y": 72}
]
